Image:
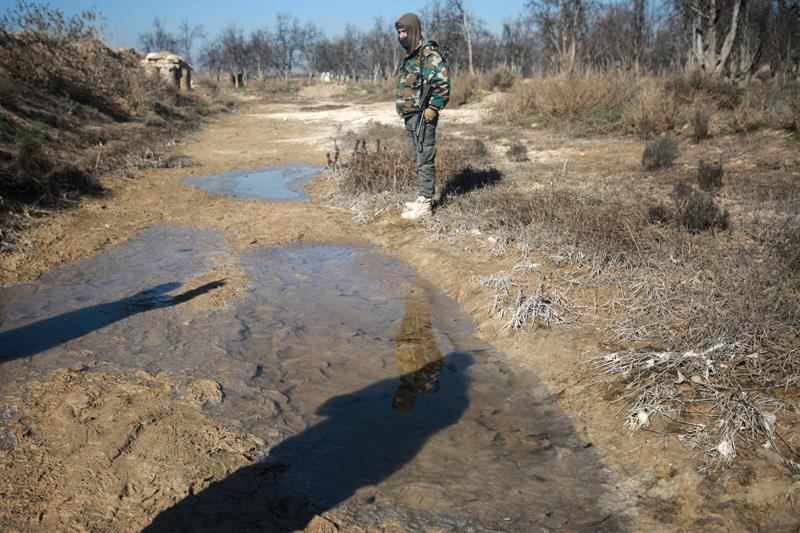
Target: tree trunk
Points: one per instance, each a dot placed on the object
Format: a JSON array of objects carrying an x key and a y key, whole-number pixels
[
  {"x": 467, "y": 36},
  {"x": 727, "y": 45},
  {"x": 639, "y": 11},
  {"x": 704, "y": 55}
]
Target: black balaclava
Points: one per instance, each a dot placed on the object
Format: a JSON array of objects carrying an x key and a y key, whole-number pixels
[{"x": 410, "y": 23}]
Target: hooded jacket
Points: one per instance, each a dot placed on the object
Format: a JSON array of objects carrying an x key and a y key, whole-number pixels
[{"x": 423, "y": 65}]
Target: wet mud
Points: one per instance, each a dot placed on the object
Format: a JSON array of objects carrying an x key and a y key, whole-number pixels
[{"x": 304, "y": 385}]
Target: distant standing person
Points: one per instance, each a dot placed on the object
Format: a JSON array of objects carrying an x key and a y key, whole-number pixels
[{"x": 421, "y": 69}]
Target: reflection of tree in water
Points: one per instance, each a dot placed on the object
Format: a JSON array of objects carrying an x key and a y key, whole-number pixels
[{"x": 419, "y": 361}]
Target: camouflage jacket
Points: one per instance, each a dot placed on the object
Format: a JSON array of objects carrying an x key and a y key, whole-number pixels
[{"x": 425, "y": 58}]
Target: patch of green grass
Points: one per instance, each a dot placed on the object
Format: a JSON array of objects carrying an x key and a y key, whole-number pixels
[
  {"x": 479, "y": 95},
  {"x": 601, "y": 118}
]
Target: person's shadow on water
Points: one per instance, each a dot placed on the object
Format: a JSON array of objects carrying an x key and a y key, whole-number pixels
[
  {"x": 39, "y": 336},
  {"x": 367, "y": 436}
]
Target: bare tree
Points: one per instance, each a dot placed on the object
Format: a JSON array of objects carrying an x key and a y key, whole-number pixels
[
  {"x": 617, "y": 36},
  {"x": 639, "y": 32},
  {"x": 41, "y": 19},
  {"x": 307, "y": 41},
  {"x": 458, "y": 6},
  {"x": 288, "y": 38},
  {"x": 187, "y": 34},
  {"x": 715, "y": 24},
  {"x": 445, "y": 26},
  {"x": 261, "y": 52},
  {"x": 380, "y": 45},
  {"x": 560, "y": 23},
  {"x": 235, "y": 54},
  {"x": 158, "y": 38},
  {"x": 211, "y": 58},
  {"x": 517, "y": 45}
]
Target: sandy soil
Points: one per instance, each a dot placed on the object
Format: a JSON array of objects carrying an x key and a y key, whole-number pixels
[{"x": 92, "y": 464}]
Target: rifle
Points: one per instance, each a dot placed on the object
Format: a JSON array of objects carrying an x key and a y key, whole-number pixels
[{"x": 419, "y": 131}]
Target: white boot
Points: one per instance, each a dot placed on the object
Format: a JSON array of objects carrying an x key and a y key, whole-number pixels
[
  {"x": 420, "y": 209},
  {"x": 414, "y": 202}
]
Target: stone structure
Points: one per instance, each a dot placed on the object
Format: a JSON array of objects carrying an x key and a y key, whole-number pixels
[{"x": 171, "y": 67}]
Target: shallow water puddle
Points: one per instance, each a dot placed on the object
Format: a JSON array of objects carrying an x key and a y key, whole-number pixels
[
  {"x": 273, "y": 183},
  {"x": 381, "y": 407}
]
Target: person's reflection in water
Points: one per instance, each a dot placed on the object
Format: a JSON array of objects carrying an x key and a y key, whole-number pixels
[
  {"x": 419, "y": 361},
  {"x": 358, "y": 441}
]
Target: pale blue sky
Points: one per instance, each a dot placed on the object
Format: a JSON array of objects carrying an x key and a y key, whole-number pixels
[{"x": 126, "y": 19}]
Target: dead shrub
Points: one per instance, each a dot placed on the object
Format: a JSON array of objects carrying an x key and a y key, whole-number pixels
[
  {"x": 517, "y": 153},
  {"x": 658, "y": 214},
  {"x": 709, "y": 176},
  {"x": 72, "y": 181},
  {"x": 768, "y": 104},
  {"x": 34, "y": 174},
  {"x": 793, "y": 121},
  {"x": 689, "y": 88},
  {"x": 515, "y": 106},
  {"x": 699, "y": 124},
  {"x": 386, "y": 166},
  {"x": 590, "y": 98},
  {"x": 659, "y": 153},
  {"x": 564, "y": 97},
  {"x": 30, "y": 167},
  {"x": 653, "y": 112},
  {"x": 464, "y": 89},
  {"x": 697, "y": 211},
  {"x": 608, "y": 228},
  {"x": 381, "y": 169},
  {"x": 501, "y": 78}
]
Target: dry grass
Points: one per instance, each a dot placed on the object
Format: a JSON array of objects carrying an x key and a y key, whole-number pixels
[
  {"x": 709, "y": 320},
  {"x": 71, "y": 109},
  {"x": 700, "y": 106},
  {"x": 702, "y": 283},
  {"x": 500, "y": 78},
  {"x": 593, "y": 99},
  {"x": 464, "y": 89},
  {"x": 653, "y": 111}
]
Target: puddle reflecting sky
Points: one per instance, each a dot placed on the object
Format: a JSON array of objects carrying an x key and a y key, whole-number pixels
[
  {"x": 273, "y": 183},
  {"x": 380, "y": 404}
]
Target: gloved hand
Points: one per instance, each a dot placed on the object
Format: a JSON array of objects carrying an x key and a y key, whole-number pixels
[{"x": 430, "y": 114}]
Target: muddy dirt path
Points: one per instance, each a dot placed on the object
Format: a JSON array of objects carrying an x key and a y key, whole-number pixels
[{"x": 188, "y": 359}]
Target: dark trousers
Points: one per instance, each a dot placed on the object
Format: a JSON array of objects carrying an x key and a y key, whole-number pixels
[{"x": 425, "y": 160}]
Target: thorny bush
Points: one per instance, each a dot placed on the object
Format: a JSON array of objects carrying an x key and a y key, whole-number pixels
[
  {"x": 659, "y": 153},
  {"x": 710, "y": 322},
  {"x": 709, "y": 176}
]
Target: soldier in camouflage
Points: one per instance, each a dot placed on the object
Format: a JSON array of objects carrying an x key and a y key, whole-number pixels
[{"x": 422, "y": 67}]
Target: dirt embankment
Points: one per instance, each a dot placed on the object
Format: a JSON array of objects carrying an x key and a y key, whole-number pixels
[
  {"x": 659, "y": 484},
  {"x": 72, "y": 110}
]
